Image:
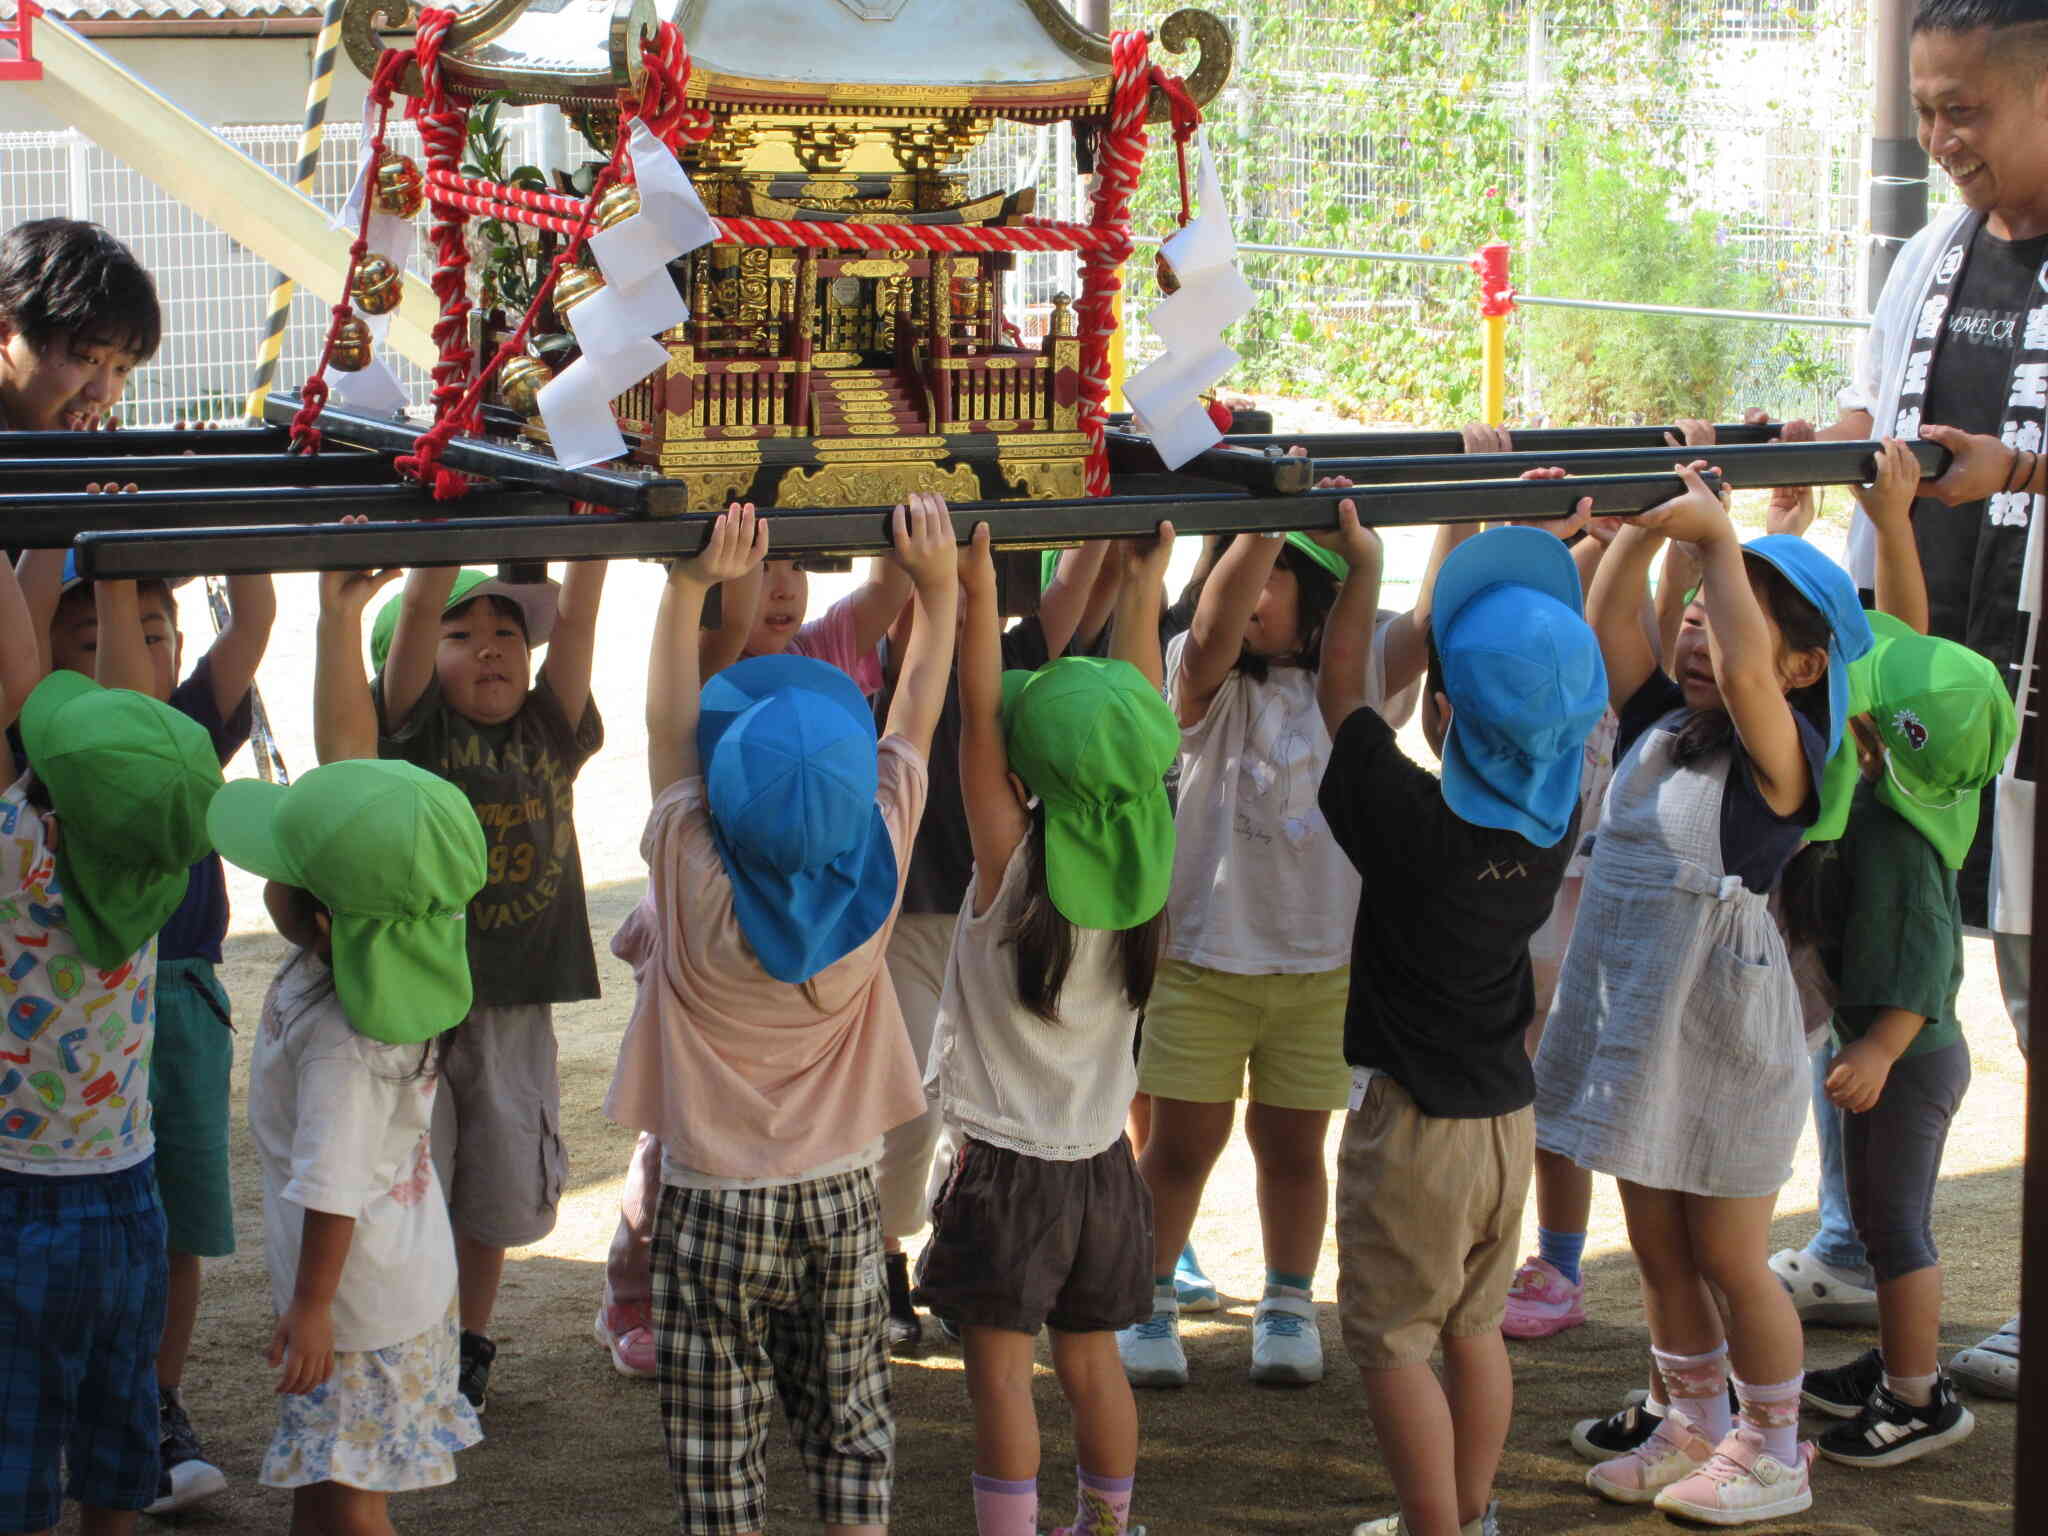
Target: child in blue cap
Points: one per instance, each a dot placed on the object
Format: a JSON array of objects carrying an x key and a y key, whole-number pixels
[
  {"x": 1675, "y": 1055},
  {"x": 766, "y": 1047},
  {"x": 1458, "y": 873}
]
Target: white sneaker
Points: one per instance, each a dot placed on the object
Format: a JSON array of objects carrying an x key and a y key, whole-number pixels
[
  {"x": 1287, "y": 1347},
  {"x": 1151, "y": 1350},
  {"x": 1487, "y": 1524}
]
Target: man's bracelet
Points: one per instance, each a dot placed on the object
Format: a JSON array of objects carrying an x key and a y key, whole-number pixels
[{"x": 2011, "y": 471}]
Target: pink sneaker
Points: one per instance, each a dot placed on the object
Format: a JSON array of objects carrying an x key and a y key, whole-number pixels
[
  {"x": 1743, "y": 1482},
  {"x": 1674, "y": 1452},
  {"x": 1542, "y": 1302},
  {"x": 628, "y": 1332}
]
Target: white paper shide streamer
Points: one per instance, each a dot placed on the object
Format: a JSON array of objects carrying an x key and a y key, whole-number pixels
[
  {"x": 1166, "y": 395},
  {"x": 616, "y": 326}
]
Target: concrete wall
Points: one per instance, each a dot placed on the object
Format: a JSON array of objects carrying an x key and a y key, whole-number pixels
[{"x": 220, "y": 80}]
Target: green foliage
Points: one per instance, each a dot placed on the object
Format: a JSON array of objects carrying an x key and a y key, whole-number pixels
[
  {"x": 1613, "y": 229},
  {"x": 512, "y": 263}
]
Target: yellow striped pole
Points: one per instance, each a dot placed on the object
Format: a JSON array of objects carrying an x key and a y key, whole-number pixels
[{"x": 319, "y": 85}]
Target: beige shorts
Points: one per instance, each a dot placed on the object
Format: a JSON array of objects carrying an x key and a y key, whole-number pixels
[
  {"x": 1206, "y": 1031},
  {"x": 497, "y": 1134},
  {"x": 1429, "y": 1224}
]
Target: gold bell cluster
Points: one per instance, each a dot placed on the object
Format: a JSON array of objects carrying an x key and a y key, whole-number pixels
[
  {"x": 400, "y": 190},
  {"x": 378, "y": 285},
  {"x": 351, "y": 350},
  {"x": 519, "y": 382}
]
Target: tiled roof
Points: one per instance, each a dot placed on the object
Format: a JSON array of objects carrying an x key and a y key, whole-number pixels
[{"x": 179, "y": 10}]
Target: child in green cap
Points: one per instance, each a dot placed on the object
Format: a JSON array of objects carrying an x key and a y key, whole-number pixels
[
  {"x": 1933, "y": 727},
  {"x": 1043, "y": 1220},
  {"x": 371, "y": 868},
  {"x": 96, "y": 838},
  {"x": 455, "y": 694}
]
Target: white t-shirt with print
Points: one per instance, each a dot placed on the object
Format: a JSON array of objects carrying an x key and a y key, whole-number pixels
[
  {"x": 1260, "y": 887},
  {"x": 76, "y": 1041},
  {"x": 340, "y": 1123}
]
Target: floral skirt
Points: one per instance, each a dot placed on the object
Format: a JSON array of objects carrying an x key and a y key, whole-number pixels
[{"x": 387, "y": 1420}]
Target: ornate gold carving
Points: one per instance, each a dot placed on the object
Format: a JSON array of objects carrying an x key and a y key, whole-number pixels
[
  {"x": 823, "y": 146},
  {"x": 999, "y": 426},
  {"x": 874, "y": 268},
  {"x": 998, "y": 364},
  {"x": 1212, "y": 38},
  {"x": 873, "y": 485},
  {"x": 1044, "y": 479},
  {"x": 837, "y": 450},
  {"x": 928, "y": 146},
  {"x": 709, "y": 490},
  {"x": 870, "y": 429},
  {"x": 742, "y": 368},
  {"x": 835, "y": 359}
]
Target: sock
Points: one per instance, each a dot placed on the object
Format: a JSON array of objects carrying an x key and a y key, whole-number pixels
[
  {"x": 1917, "y": 1390},
  {"x": 1772, "y": 1409},
  {"x": 1102, "y": 1505},
  {"x": 1697, "y": 1386},
  {"x": 1280, "y": 1283},
  {"x": 1561, "y": 1250},
  {"x": 897, "y": 1266},
  {"x": 1005, "y": 1509}
]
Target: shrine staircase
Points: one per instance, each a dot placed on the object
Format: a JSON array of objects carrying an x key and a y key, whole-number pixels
[{"x": 866, "y": 402}]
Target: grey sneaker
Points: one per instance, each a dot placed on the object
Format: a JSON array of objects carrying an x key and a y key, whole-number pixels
[{"x": 185, "y": 1476}]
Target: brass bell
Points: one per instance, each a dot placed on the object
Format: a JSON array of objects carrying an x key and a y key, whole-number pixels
[
  {"x": 401, "y": 189},
  {"x": 378, "y": 285},
  {"x": 617, "y": 205},
  {"x": 519, "y": 382},
  {"x": 1162, "y": 269},
  {"x": 351, "y": 350},
  {"x": 574, "y": 286}
]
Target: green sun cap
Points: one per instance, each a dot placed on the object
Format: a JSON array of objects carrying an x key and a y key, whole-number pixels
[
  {"x": 130, "y": 780},
  {"x": 1328, "y": 559},
  {"x": 536, "y": 601},
  {"x": 1093, "y": 740},
  {"x": 394, "y": 853}
]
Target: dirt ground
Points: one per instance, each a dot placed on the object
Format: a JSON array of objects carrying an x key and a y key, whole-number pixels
[{"x": 572, "y": 1446}]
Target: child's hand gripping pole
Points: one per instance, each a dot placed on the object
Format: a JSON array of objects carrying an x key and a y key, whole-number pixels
[{"x": 738, "y": 543}]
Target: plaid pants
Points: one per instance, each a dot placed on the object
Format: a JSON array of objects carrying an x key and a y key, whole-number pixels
[{"x": 773, "y": 1290}]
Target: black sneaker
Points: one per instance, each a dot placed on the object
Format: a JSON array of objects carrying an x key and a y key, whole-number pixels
[
  {"x": 906, "y": 1329},
  {"x": 1842, "y": 1390},
  {"x": 185, "y": 1476},
  {"x": 1617, "y": 1434},
  {"x": 477, "y": 1354},
  {"x": 1889, "y": 1431}
]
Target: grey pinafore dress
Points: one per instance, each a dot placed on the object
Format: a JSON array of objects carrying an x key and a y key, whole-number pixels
[{"x": 1675, "y": 1054}]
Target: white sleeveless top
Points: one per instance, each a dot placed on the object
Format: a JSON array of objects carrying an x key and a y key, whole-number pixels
[{"x": 1000, "y": 1073}]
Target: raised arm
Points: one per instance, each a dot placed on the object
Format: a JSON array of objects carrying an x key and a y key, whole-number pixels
[
  {"x": 1216, "y": 637},
  {"x": 1740, "y": 644},
  {"x": 738, "y": 543},
  {"x": 1888, "y": 503},
  {"x": 121, "y": 657},
  {"x": 572, "y": 648},
  {"x": 1614, "y": 609},
  {"x": 927, "y": 548},
  {"x": 1140, "y": 589},
  {"x": 344, "y": 715},
  {"x": 995, "y": 821},
  {"x": 409, "y": 665},
  {"x": 1070, "y": 599},
  {"x": 41, "y": 573},
  {"x": 238, "y": 650},
  {"x": 876, "y": 602},
  {"x": 21, "y": 649},
  {"x": 739, "y": 605},
  {"x": 1348, "y": 636}
]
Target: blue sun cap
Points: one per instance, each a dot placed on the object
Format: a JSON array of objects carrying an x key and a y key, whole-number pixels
[
  {"x": 788, "y": 747},
  {"x": 1828, "y": 587},
  {"x": 1525, "y": 679}
]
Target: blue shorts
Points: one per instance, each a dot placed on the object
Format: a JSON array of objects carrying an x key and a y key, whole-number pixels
[{"x": 82, "y": 1289}]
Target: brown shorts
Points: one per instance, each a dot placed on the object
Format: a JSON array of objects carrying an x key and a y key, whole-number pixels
[
  {"x": 1022, "y": 1242},
  {"x": 1429, "y": 1224},
  {"x": 497, "y": 1133}
]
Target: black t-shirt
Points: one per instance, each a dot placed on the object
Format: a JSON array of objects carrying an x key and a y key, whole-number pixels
[
  {"x": 1441, "y": 988},
  {"x": 942, "y": 854},
  {"x": 1756, "y": 842},
  {"x": 529, "y": 927},
  {"x": 201, "y": 921},
  {"x": 1973, "y": 569}
]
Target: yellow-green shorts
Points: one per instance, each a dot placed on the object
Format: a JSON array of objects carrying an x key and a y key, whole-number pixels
[{"x": 1205, "y": 1029}]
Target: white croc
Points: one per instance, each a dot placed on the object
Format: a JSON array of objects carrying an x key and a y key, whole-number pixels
[
  {"x": 1820, "y": 1294},
  {"x": 1991, "y": 1368}
]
